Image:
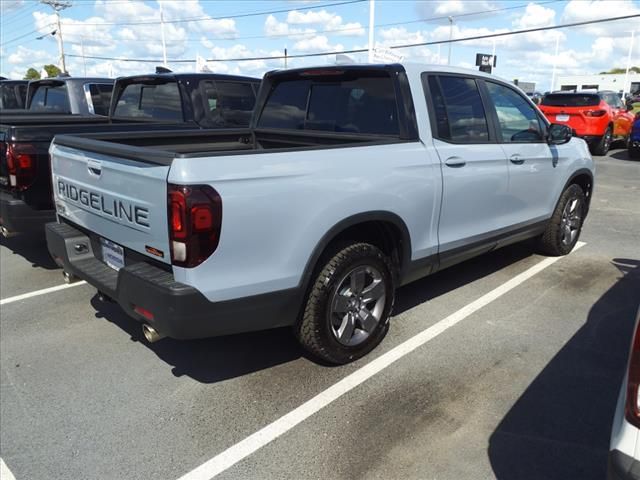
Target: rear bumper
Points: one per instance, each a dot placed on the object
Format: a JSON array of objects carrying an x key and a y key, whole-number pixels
[
  {"x": 591, "y": 139},
  {"x": 18, "y": 217},
  {"x": 179, "y": 311},
  {"x": 622, "y": 467}
]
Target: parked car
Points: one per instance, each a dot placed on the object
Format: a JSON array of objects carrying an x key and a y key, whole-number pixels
[
  {"x": 598, "y": 117},
  {"x": 350, "y": 181},
  {"x": 13, "y": 94},
  {"x": 624, "y": 454},
  {"x": 634, "y": 142},
  {"x": 140, "y": 103}
]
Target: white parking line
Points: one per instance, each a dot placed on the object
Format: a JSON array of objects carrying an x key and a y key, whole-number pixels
[
  {"x": 5, "y": 473},
  {"x": 259, "y": 439},
  {"x": 44, "y": 291}
]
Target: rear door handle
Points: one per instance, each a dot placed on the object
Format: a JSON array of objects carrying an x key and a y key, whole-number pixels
[
  {"x": 515, "y": 159},
  {"x": 455, "y": 162}
]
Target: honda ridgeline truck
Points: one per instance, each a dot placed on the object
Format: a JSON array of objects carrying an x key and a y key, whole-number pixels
[
  {"x": 350, "y": 181},
  {"x": 164, "y": 101}
]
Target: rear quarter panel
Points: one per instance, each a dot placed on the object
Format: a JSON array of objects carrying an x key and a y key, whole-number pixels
[{"x": 277, "y": 206}]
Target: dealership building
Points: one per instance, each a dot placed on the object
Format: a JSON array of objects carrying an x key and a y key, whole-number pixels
[{"x": 615, "y": 82}]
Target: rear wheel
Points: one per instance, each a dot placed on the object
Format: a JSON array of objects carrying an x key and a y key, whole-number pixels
[
  {"x": 347, "y": 310},
  {"x": 602, "y": 147},
  {"x": 564, "y": 228}
]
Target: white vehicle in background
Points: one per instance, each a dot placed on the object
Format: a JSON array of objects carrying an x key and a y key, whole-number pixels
[{"x": 624, "y": 454}]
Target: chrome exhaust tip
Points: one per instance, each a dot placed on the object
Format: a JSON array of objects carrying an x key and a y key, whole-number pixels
[
  {"x": 6, "y": 233},
  {"x": 69, "y": 277},
  {"x": 151, "y": 334}
]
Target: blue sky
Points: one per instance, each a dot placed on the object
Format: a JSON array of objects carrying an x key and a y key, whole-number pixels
[{"x": 103, "y": 28}]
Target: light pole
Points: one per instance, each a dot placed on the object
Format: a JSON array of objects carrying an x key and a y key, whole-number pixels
[
  {"x": 450, "y": 38},
  {"x": 164, "y": 44},
  {"x": 57, "y": 6}
]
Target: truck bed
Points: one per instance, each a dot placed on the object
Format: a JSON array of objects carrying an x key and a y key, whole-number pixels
[{"x": 160, "y": 148}]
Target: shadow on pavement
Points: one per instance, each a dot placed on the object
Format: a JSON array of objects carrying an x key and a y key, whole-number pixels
[
  {"x": 623, "y": 155},
  {"x": 210, "y": 360},
  {"x": 216, "y": 359},
  {"x": 560, "y": 427},
  {"x": 32, "y": 247}
]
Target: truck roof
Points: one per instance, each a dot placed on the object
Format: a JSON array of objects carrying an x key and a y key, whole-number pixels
[
  {"x": 188, "y": 76},
  {"x": 412, "y": 68},
  {"x": 44, "y": 81}
]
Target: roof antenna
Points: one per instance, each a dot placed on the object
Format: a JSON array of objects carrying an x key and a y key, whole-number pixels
[{"x": 160, "y": 69}]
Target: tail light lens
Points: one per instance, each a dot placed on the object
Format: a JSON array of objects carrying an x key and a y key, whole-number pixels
[
  {"x": 595, "y": 113},
  {"x": 195, "y": 220},
  {"x": 632, "y": 406},
  {"x": 21, "y": 164}
]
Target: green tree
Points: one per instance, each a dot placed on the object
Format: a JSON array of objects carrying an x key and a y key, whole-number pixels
[
  {"x": 621, "y": 70},
  {"x": 32, "y": 74},
  {"x": 52, "y": 70}
]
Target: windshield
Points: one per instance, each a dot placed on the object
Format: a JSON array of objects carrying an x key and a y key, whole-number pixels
[{"x": 571, "y": 100}]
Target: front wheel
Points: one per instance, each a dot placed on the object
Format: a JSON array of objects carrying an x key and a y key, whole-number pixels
[
  {"x": 347, "y": 310},
  {"x": 564, "y": 228}
]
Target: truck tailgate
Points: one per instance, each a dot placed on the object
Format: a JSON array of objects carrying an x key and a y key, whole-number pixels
[{"x": 122, "y": 201}]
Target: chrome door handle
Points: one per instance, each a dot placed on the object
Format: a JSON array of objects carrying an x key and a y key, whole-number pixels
[
  {"x": 455, "y": 162},
  {"x": 515, "y": 159}
]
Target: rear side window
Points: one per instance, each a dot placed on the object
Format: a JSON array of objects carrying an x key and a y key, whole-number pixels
[
  {"x": 570, "y": 100},
  {"x": 100, "y": 97},
  {"x": 229, "y": 103},
  {"x": 354, "y": 103},
  {"x": 50, "y": 98},
  {"x": 460, "y": 115},
  {"x": 153, "y": 101}
]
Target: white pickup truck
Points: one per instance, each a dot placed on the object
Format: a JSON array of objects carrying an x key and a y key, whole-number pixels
[{"x": 350, "y": 181}]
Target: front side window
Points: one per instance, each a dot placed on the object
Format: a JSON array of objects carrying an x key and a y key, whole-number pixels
[
  {"x": 100, "y": 97},
  {"x": 351, "y": 103},
  {"x": 459, "y": 113},
  {"x": 517, "y": 118}
]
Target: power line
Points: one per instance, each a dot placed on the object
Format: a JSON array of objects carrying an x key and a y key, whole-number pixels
[
  {"x": 37, "y": 30},
  {"x": 224, "y": 17},
  {"x": 361, "y": 50}
]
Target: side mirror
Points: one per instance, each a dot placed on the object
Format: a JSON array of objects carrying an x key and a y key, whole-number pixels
[{"x": 558, "y": 134}]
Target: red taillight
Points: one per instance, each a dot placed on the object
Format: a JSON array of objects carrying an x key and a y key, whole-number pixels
[
  {"x": 143, "y": 312},
  {"x": 595, "y": 113},
  {"x": 632, "y": 407},
  {"x": 195, "y": 220},
  {"x": 21, "y": 164}
]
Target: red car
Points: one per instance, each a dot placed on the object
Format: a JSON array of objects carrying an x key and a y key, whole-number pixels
[{"x": 598, "y": 117}]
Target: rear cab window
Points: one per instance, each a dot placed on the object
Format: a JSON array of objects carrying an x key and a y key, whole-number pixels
[
  {"x": 350, "y": 101},
  {"x": 228, "y": 103},
  {"x": 51, "y": 98},
  {"x": 12, "y": 95},
  {"x": 158, "y": 100}
]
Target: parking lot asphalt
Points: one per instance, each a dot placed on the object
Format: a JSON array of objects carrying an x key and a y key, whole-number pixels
[{"x": 523, "y": 388}]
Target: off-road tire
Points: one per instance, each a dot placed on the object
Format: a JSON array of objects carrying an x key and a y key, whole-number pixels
[
  {"x": 550, "y": 242},
  {"x": 314, "y": 328}
]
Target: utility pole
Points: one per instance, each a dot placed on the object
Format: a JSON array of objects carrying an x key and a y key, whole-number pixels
[
  {"x": 450, "y": 38},
  {"x": 626, "y": 74},
  {"x": 372, "y": 27},
  {"x": 555, "y": 63},
  {"x": 164, "y": 44},
  {"x": 57, "y": 6}
]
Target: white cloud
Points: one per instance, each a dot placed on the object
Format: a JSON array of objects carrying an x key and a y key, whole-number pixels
[
  {"x": 10, "y": 6},
  {"x": 535, "y": 16},
  {"x": 319, "y": 43},
  {"x": 442, "y": 8},
  {"x": 581, "y": 10}
]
